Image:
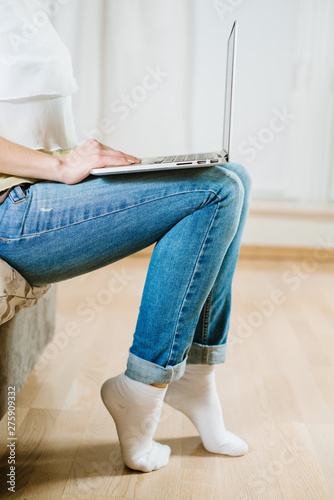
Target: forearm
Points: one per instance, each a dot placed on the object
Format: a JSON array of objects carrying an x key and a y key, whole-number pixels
[
  {"x": 69, "y": 169},
  {"x": 20, "y": 161}
]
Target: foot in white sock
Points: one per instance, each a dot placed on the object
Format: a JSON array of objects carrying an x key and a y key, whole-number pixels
[
  {"x": 135, "y": 408},
  {"x": 195, "y": 395}
]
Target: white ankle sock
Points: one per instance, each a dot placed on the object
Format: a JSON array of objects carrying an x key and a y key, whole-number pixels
[
  {"x": 135, "y": 408},
  {"x": 195, "y": 395}
]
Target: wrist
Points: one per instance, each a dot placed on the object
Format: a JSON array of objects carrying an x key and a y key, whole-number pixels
[
  {"x": 58, "y": 168},
  {"x": 55, "y": 169}
]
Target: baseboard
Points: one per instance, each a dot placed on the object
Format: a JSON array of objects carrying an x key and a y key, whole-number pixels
[
  {"x": 261, "y": 252},
  {"x": 286, "y": 253},
  {"x": 294, "y": 210}
]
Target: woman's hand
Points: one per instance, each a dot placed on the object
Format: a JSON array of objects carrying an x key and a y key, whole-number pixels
[{"x": 76, "y": 166}]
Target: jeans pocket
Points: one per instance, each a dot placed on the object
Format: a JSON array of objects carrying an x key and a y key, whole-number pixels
[{"x": 13, "y": 213}]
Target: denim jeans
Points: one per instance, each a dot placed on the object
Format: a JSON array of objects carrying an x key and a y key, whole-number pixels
[{"x": 51, "y": 232}]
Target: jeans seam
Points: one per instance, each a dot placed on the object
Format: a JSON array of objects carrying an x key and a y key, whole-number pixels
[
  {"x": 109, "y": 213},
  {"x": 237, "y": 180},
  {"x": 205, "y": 328},
  {"x": 190, "y": 283},
  {"x": 207, "y": 306}
]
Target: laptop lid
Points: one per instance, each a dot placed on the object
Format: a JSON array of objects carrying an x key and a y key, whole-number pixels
[{"x": 229, "y": 88}]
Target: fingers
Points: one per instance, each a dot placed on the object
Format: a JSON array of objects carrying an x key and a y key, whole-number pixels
[
  {"x": 113, "y": 152},
  {"x": 134, "y": 158},
  {"x": 92, "y": 146},
  {"x": 111, "y": 160},
  {"x": 120, "y": 154}
]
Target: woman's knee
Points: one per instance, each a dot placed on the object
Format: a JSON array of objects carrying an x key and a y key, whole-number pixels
[
  {"x": 243, "y": 175},
  {"x": 229, "y": 188}
]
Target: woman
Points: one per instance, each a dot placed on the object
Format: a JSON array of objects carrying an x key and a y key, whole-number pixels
[{"x": 57, "y": 222}]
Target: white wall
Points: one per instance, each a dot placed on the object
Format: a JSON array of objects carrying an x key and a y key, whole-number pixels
[
  {"x": 263, "y": 83},
  {"x": 116, "y": 44},
  {"x": 284, "y": 67}
]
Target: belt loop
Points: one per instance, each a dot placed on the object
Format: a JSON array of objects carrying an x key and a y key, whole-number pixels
[{"x": 18, "y": 194}]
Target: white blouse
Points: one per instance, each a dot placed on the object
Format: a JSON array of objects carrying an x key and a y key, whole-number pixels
[{"x": 36, "y": 79}]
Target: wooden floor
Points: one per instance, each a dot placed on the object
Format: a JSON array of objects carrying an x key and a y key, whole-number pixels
[{"x": 276, "y": 388}]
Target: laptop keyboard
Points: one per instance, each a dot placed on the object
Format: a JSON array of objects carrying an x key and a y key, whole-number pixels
[{"x": 188, "y": 159}]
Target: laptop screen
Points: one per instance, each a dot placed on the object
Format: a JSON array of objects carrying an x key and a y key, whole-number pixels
[{"x": 230, "y": 70}]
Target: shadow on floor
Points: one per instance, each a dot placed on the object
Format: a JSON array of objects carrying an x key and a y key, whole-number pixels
[{"x": 84, "y": 466}]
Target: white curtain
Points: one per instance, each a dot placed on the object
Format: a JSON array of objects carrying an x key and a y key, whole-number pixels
[
  {"x": 310, "y": 154},
  {"x": 131, "y": 59},
  {"x": 152, "y": 73}
]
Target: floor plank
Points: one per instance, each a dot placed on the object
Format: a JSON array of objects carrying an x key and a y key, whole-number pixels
[{"x": 276, "y": 388}]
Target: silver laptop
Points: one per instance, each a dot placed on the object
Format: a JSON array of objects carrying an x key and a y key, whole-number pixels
[{"x": 192, "y": 160}]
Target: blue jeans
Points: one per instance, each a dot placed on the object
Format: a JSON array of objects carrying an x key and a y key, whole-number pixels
[{"x": 51, "y": 232}]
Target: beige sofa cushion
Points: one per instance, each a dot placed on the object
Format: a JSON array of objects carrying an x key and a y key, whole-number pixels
[{"x": 15, "y": 292}]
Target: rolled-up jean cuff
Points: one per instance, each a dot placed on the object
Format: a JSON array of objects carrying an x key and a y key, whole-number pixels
[
  {"x": 149, "y": 373},
  {"x": 206, "y": 354}
]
